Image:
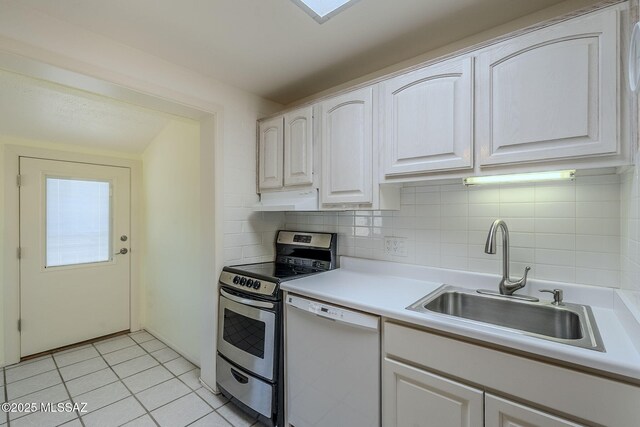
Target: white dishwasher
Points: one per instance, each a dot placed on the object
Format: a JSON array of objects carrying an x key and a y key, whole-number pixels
[{"x": 333, "y": 365}]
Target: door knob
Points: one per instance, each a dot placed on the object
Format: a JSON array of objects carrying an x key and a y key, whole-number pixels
[{"x": 122, "y": 251}]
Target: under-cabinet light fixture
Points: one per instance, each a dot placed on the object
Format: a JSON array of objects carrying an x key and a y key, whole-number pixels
[{"x": 566, "y": 175}]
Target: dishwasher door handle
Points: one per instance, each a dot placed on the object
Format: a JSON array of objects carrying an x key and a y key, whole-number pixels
[{"x": 348, "y": 317}]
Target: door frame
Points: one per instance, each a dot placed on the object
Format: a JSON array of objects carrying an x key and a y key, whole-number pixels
[{"x": 12, "y": 155}]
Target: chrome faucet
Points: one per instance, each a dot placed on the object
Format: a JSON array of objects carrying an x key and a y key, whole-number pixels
[{"x": 507, "y": 286}]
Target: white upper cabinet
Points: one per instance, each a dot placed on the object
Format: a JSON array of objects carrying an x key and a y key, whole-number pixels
[
  {"x": 298, "y": 147},
  {"x": 347, "y": 148},
  {"x": 286, "y": 150},
  {"x": 550, "y": 94},
  {"x": 427, "y": 119},
  {"x": 270, "y": 149}
]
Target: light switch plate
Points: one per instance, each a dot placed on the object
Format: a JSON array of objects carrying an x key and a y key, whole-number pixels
[{"x": 396, "y": 246}]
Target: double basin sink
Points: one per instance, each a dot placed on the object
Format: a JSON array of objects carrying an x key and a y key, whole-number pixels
[{"x": 571, "y": 324}]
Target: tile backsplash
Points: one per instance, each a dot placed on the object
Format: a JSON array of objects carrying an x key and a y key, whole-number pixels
[{"x": 568, "y": 231}]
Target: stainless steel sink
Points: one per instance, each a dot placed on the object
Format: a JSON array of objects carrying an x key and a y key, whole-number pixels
[{"x": 571, "y": 324}]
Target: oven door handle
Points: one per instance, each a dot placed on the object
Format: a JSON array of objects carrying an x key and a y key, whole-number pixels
[{"x": 246, "y": 301}]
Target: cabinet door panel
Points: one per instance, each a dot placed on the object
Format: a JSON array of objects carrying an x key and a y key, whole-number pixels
[
  {"x": 413, "y": 397},
  {"x": 427, "y": 119},
  {"x": 270, "y": 154},
  {"x": 347, "y": 146},
  {"x": 298, "y": 147},
  {"x": 504, "y": 413},
  {"x": 550, "y": 94}
]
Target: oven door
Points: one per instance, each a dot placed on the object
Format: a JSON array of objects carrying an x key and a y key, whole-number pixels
[{"x": 247, "y": 333}]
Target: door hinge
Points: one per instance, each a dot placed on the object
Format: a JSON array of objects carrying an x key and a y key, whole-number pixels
[
  {"x": 19, "y": 325},
  {"x": 19, "y": 253},
  {"x": 18, "y": 180}
]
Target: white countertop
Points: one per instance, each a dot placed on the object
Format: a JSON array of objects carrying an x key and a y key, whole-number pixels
[{"x": 386, "y": 289}]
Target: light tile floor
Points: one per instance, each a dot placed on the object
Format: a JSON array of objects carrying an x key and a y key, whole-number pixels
[{"x": 131, "y": 380}]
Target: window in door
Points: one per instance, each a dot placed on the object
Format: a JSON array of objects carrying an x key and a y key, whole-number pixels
[{"x": 78, "y": 221}]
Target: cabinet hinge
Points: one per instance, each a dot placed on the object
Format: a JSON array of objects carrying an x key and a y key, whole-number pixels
[
  {"x": 19, "y": 325},
  {"x": 19, "y": 253},
  {"x": 18, "y": 180}
]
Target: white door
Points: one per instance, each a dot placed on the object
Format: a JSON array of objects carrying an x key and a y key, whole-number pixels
[
  {"x": 550, "y": 94},
  {"x": 298, "y": 147},
  {"x": 270, "y": 154},
  {"x": 74, "y": 261},
  {"x": 347, "y": 148},
  {"x": 504, "y": 413},
  {"x": 413, "y": 397},
  {"x": 427, "y": 121}
]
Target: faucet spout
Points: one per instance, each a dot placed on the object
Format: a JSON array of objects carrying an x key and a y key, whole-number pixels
[{"x": 507, "y": 286}]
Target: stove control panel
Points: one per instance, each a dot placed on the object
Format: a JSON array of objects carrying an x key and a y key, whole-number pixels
[
  {"x": 303, "y": 262},
  {"x": 247, "y": 284}
]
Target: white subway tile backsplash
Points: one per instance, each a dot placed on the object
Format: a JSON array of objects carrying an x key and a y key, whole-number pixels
[
  {"x": 565, "y": 231},
  {"x": 517, "y": 210},
  {"x": 555, "y": 257},
  {"x": 454, "y": 195},
  {"x": 609, "y": 209},
  {"x": 555, "y": 272},
  {"x": 517, "y": 194},
  {"x": 598, "y": 226},
  {"x": 484, "y": 195},
  {"x": 484, "y": 210},
  {"x": 454, "y": 210},
  {"x": 555, "y": 210},
  {"x": 600, "y": 244},
  {"x": 610, "y": 261},
  {"x": 427, "y": 198},
  {"x": 598, "y": 193},
  {"x": 555, "y": 193},
  {"x": 598, "y": 277},
  {"x": 555, "y": 225},
  {"x": 555, "y": 241}
]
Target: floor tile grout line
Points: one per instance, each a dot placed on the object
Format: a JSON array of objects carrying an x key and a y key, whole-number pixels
[
  {"x": 27, "y": 362},
  {"x": 30, "y": 376},
  {"x": 176, "y": 376},
  {"x": 94, "y": 389},
  {"x": 225, "y": 418},
  {"x": 118, "y": 379},
  {"x": 67, "y": 390},
  {"x": 129, "y": 390}
]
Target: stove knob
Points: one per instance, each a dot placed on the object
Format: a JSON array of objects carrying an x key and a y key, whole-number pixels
[
  {"x": 256, "y": 284},
  {"x": 236, "y": 279},
  {"x": 243, "y": 281},
  {"x": 249, "y": 283}
]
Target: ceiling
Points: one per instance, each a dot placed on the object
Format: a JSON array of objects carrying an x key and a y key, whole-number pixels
[
  {"x": 39, "y": 110},
  {"x": 273, "y": 48}
]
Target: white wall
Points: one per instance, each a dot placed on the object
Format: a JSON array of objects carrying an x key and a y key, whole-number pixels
[
  {"x": 564, "y": 231},
  {"x": 171, "y": 234}
]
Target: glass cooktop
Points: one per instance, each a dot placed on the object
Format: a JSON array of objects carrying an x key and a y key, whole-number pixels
[{"x": 268, "y": 270}]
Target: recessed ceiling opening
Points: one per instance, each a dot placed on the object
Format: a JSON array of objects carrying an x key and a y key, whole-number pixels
[{"x": 322, "y": 10}]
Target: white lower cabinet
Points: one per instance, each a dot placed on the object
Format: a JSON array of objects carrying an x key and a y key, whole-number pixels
[
  {"x": 413, "y": 397},
  {"x": 413, "y": 394},
  {"x": 500, "y": 412}
]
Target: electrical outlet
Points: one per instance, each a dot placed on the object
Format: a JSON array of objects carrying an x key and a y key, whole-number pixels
[{"x": 396, "y": 246}]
